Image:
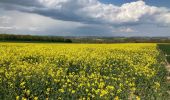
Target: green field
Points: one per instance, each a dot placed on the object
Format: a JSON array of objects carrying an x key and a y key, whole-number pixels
[{"x": 166, "y": 50}]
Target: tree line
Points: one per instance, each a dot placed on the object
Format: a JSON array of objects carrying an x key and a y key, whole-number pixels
[
  {"x": 30, "y": 38},
  {"x": 59, "y": 39},
  {"x": 121, "y": 40}
]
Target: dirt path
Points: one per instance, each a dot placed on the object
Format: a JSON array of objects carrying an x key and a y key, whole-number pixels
[
  {"x": 168, "y": 68},
  {"x": 168, "y": 76}
]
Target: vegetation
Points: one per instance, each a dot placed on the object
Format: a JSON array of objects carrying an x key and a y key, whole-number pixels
[
  {"x": 81, "y": 71},
  {"x": 166, "y": 49},
  {"x": 120, "y": 39},
  {"x": 30, "y": 38},
  {"x": 93, "y": 39}
]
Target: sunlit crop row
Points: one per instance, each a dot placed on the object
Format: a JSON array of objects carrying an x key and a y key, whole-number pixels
[{"x": 81, "y": 71}]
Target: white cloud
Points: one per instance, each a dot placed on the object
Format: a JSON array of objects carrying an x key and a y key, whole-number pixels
[
  {"x": 19, "y": 28},
  {"x": 127, "y": 30},
  {"x": 134, "y": 12},
  {"x": 164, "y": 18},
  {"x": 123, "y": 30},
  {"x": 7, "y": 27},
  {"x": 5, "y": 19}
]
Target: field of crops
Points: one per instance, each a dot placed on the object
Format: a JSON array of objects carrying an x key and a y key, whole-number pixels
[
  {"x": 81, "y": 72},
  {"x": 166, "y": 50}
]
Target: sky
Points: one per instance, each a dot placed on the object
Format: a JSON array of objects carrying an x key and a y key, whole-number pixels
[{"x": 86, "y": 17}]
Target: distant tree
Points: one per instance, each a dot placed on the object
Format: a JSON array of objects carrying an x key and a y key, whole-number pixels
[
  {"x": 30, "y": 38},
  {"x": 68, "y": 41}
]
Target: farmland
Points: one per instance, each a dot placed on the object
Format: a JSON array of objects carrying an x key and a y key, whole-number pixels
[
  {"x": 166, "y": 50},
  {"x": 82, "y": 71}
]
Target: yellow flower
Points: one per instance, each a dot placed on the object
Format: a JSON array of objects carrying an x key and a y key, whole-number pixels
[
  {"x": 61, "y": 90},
  {"x": 48, "y": 89},
  {"x": 35, "y": 98},
  {"x": 116, "y": 98},
  {"x": 28, "y": 92},
  {"x": 22, "y": 85},
  {"x": 97, "y": 70},
  {"x": 110, "y": 87},
  {"x": 24, "y": 98},
  {"x": 73, "y": 91},
  {"x": 87, "y": 90},
  {"x": 137, "y": 98},
  {"x": 101, "y": 84},
  {"x": 157, "y": 85},
  {"x": 17, "y": 97},
  {"x": 103, "y": 92}
]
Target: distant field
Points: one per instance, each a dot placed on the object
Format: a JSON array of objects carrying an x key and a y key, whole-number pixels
[{"x": 81, "y": 72}]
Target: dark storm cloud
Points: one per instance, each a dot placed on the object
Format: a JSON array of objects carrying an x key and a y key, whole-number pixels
[
  {"x": 34, "y": 7},
  {"x": 22, "y": 2}
]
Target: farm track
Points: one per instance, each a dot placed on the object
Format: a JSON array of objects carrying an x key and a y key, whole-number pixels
[
  {"x": 168, "y": 69},
  {"x": 168, "y": 76}
]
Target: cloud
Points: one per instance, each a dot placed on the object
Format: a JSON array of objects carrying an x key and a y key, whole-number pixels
[
  {"x": 30, "y": 23},
  {"x": 19, "y": 28},
  {"x": 5, "y": 19},
  {"x": 28, "y": 3},
  {"x": 127, "y": 30},
  {"x": 82, "y": 18},
  {"x": 7, "y": 27},
  {"x": 92, "y": 11},
  {"x": 123, "y": 30}
]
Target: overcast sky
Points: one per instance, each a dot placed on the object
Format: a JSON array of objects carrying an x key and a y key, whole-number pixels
[{"x": 86, "y": 17}]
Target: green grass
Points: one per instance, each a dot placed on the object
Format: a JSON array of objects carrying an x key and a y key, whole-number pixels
[{"x": 166, "y": 50}]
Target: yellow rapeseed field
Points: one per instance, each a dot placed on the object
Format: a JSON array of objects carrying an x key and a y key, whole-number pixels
[{"x": 81, "y": 71}]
